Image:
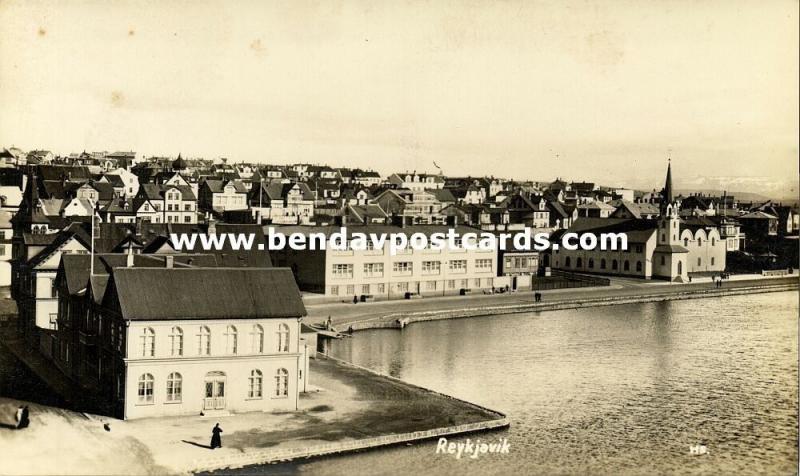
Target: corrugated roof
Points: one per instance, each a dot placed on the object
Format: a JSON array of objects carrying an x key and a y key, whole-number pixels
[{"x": 205, "y": 293}]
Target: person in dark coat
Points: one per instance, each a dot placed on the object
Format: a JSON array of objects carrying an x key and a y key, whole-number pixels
[
  {"x": 216, "y": 439},
  {"x": 25, "y": 420}
]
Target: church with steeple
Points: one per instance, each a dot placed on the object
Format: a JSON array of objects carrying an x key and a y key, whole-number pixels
[
  {"x": 669, "y": 256},
  {"x": 665, "y": 248}
]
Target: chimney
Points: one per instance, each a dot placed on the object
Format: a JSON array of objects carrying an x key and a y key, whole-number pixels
[
  {"x": 169, "y": 261},
  {"x": 129, "y": 261}
]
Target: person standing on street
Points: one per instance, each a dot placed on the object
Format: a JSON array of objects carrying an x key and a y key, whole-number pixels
[{"x": 216, "y": 439}]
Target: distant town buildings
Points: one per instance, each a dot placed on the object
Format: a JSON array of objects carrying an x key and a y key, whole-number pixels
[{"x": 148, "y": 329}]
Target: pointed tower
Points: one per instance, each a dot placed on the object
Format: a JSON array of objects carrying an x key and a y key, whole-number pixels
[
  {"x": 179, "y": 164},
  {"x": 668, "y": 228},
  {"x": 669, "y": 257}
]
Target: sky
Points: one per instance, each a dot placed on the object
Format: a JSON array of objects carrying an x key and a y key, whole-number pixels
[{"x": 601, "y": 91}]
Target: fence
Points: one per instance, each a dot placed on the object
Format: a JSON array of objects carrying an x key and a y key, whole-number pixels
[{"x": 565, "y": 280}]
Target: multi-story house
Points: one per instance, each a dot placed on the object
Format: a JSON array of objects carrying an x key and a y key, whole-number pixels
[
  {"x": 205, "y": 341},
  {"x": 35, "y": 289},
  {"x": 530, "y": 211},
  {"x": 367, "y": 178},
  {"x": 421, "y": 205},
  {"x": 166, "y": 204},
  {"x": 415, "y": 181},
  {"x": 219, "y": 196},
  {"x": 283, "y": 202},
  {"x": 374, "y": 272}
]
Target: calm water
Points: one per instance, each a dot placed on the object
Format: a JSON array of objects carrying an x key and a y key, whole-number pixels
[{"x": 610, "y": 390}]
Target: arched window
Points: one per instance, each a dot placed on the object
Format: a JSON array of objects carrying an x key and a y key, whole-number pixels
[
  {"x": 174, "y": 387},
  {"x": 282, "y": 383},
  {"x": 686, "y": 242},
  {"x": 231, "y": 340},
  {"x": 146, "y": 388},
  {"x": 255, "y": 384},
  {"x": 713, "y": 241},
  {"x": 283, "y": 338},
  {"x": 663, "y": 260},
  {"x": 176, "y": 341},
  {"x": 591, "y": 263},
  {"x": 603, "y": 263},
  {"x": 567, "y": 262},
  {"x": 257, "y": 339},
  {"x": 148, "y": 341},
  {"x": 699, "y": 241},
  {"x": 680, "y": 267},
  {"x": 614, "y": 265},
  {"x": 699, "y": 261},
  {"x": 639, "y": 266},
  {"x": 204, "y": 341},
  {"x": 579, "y": 262},
  {"x": 626, "y": 266}
]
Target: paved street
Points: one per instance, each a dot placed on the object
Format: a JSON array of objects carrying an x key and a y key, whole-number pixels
[{"x": 621, "y": 287}]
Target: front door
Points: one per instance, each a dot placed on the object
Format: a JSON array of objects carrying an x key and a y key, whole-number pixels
[{"x": 215, "y": 391}]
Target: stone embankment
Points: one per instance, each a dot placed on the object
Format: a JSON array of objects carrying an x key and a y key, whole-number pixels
[{"x": 399, "y": 320}]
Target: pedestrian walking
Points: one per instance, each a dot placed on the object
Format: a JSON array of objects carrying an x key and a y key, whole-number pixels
[
  {"x": 355, "y": 299},
  {"x": 216, "y": 439}
]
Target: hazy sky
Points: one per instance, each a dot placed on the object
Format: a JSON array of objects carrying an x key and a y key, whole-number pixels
[{"x": 587, "y": 90}]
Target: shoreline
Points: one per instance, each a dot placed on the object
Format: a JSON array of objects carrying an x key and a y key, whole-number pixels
[{"x": 399, "y": 320}]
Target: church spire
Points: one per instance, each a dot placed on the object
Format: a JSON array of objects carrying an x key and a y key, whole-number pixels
[{"x": 667, "y": 194}]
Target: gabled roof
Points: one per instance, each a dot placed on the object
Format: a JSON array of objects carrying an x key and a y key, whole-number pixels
[
  {"x": 74, "y": 231},
  {"x": 205, "y": 293},
  {"x": 218, "y": 186},
  {"x": 637, "y": 231},
  {"x": 758, "y": 215},
  {"x": 115, "y": 180}
]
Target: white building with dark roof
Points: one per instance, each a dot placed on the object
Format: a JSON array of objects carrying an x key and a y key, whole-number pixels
[{"x": 188, "y": 340}]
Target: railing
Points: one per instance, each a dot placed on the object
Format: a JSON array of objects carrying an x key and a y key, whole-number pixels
[{"x": 565, "y": 280}]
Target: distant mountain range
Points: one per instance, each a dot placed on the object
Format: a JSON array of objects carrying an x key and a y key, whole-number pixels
[{"x": 743, "y": 188}]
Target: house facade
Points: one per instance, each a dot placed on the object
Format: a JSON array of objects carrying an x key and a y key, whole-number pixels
[
  {"x": 208, "y": 340},
  {"x": 375, "y": 272}
]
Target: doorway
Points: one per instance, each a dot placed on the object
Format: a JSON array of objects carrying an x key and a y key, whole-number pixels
[{"x": 215, "y": 391}]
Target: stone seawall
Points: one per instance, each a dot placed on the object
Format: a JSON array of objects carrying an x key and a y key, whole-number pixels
[{"x": 401, "y": 319}]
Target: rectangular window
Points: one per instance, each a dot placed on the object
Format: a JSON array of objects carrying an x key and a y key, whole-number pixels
[
  {"x": 53, "y": 321},
  {"x": 431, "y": 267},
  {"x": 451, "y": 284},
  {"x": 402, "y": 267},
  {"x": 381, "y": 288},
  {"x": 373, "y": 270},
  {"x": 351, "y": 289},
  {"x": 483, "y": 265},
  {"x": 342, "y": 271},
  {"x": 430, "y": 285},
  {"x": 458, "y": 266},
  {"x": 402, "y": 287},
  {"x": 334, "y": 290},
  {"x": 365, "y": 289}
]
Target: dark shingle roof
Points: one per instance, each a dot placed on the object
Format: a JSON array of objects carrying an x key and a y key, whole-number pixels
[{"x": 205, "y": 293}]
